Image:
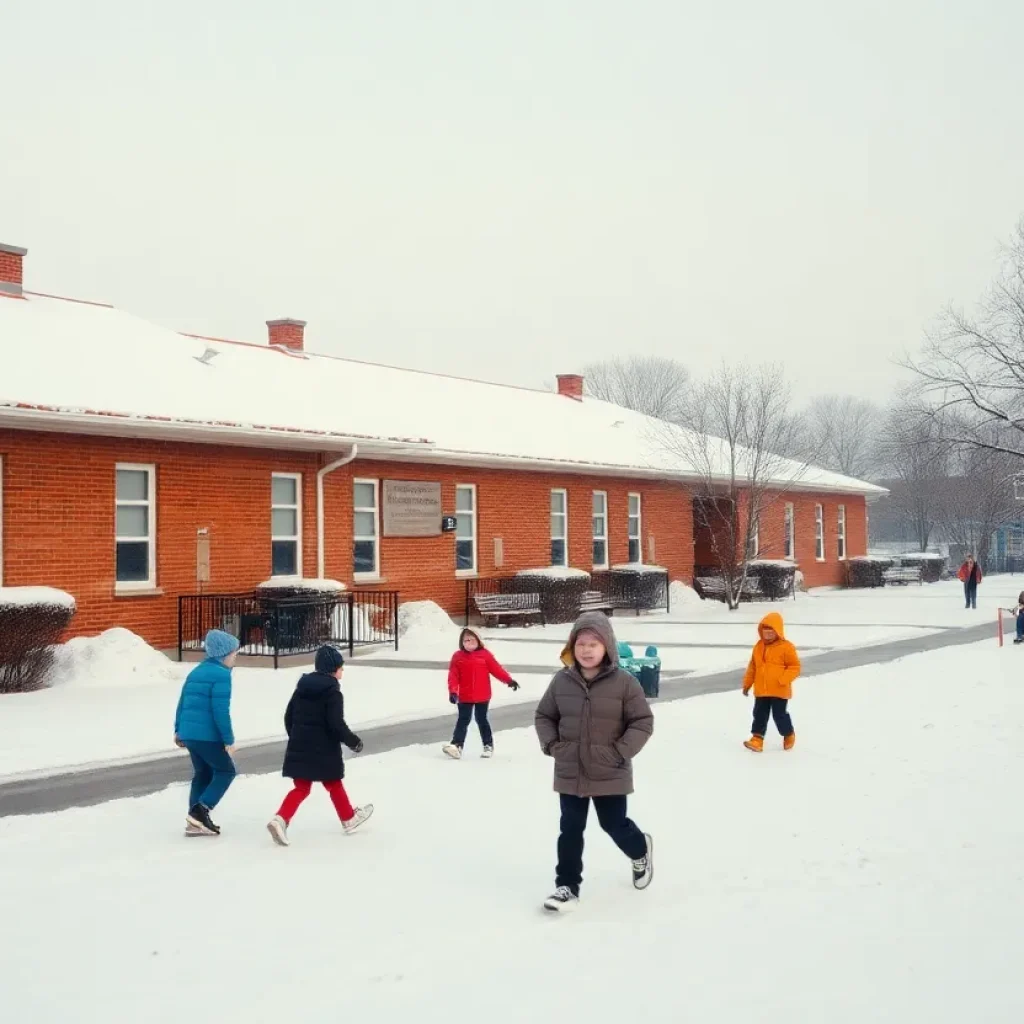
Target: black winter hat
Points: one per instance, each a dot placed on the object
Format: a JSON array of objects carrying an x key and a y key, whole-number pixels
[{"x": 328, "y": 660}]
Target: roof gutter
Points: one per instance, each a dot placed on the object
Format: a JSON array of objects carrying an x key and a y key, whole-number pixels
[{"x": 321, "y": 557}]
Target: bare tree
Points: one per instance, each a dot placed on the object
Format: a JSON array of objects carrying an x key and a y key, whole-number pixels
[
  {"x": 737, "y": 422},
  {"x": 649, "y": 384},
  {"x": 971, "y": 370},
  {"x": 847, "y": 431}
]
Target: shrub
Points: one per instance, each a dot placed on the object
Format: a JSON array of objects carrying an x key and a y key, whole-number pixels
[
  {"x": 777, "y": 578},
  {"x": 933, "y": 567},
  {"x": 560, "y": 589},
  {"x": 866, "y": 571},
  {"x": 32, "y": 620}
]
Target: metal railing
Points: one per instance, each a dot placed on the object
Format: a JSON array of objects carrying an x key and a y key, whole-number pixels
[{"x": 268, "y": 627}]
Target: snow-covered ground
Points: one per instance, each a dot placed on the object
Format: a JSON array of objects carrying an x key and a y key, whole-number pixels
[
  {"x": 872, "y": 874},
  {"x": 114, "y": 699}
]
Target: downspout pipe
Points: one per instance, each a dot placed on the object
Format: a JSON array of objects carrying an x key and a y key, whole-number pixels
[{"x": 321, "y": 556}]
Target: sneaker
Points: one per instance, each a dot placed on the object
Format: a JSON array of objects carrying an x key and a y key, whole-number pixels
[
  {"x": 362, "y": 814},
  {"x": 755, "y": 743},
  {"x": 1018, "y": 640},
  {"x": 452, "y": 750},
  {"x": 199, "y": 818},
  {"x": 488, "y": 752},
  {"x": 562, "y": 900},
  {"x": 643, "y": 869},
  {"x": 278, "y": 829},
  {"x": 191, "y": 831}
]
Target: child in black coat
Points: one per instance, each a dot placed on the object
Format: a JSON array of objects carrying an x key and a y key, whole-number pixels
[{"x": 315, "y": 723}]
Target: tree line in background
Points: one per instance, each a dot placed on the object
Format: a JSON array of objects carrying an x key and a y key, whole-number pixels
[{"x": 949, "y": 446}]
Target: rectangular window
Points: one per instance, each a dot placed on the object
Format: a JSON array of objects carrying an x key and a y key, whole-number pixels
[
  {"x": 636, "y": 551},
  {"x": 789, "y": 532},
  {"x": 465, "y": 528},
  {"x": 754, "y": 543},
  {"x": 365, "y": 542},
  {"x": 600, "y": 530},
  {"x": 842, "y": 533},
  {"x": 559, "y": 527},
  {"x": 819, "y": 533},
  {"x": 135, "y": 527},
  {"x": 286, "y": 524}
]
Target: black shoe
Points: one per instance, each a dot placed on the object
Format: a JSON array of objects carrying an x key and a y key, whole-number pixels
[
  {"x": 199, "y": 817},
  {"x": 1019, "y": 640}
]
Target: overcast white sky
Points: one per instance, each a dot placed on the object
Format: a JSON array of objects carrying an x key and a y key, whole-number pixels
[{"x": 511, "y": 189}]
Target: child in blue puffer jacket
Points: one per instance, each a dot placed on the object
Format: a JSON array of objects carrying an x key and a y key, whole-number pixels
[{"x": 202, "y": 725}]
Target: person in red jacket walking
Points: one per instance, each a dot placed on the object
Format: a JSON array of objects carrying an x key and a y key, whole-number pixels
[
  {"x": 970, "y": 576},
  {"x": 469, "y": 686}
]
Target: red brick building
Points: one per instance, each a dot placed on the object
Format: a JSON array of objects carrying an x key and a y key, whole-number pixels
[{"x": 125, "y": 447}]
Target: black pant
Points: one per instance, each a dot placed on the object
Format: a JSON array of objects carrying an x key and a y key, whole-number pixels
[
  {"x": 466, "y": 712},
  {"x": 776, "y": 707},
  {"x": 971, "y": 594},
  {"x": 611, "y": 813}
]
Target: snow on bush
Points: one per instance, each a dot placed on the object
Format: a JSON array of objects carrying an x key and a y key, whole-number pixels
[
  {"x": 424, "y": 619},
  {"x": 867, "y": 570},
  {"x": 640, "y": 568},
  {"x": 319, "y": 586},
  {"x": 115, "y": 658},
  {"x": 555, "y": 572},
  {"x": 932, "y": 566},
  {"x": 32, "y": 620},
  {"x": 682, "y": 595}
]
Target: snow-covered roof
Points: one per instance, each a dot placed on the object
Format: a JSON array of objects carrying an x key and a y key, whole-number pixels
[{"x": 90, "y": 368}]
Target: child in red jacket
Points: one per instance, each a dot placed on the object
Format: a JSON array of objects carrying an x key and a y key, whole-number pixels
[{"x": 469, "y": 686}]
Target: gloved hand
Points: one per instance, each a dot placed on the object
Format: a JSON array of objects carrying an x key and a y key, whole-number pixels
[
  {"x": 746, "y": 691},
  {"x": 358, "y": 748},
  {"x": 513, "y": 686},
  {"x": 453, "y": 698}
]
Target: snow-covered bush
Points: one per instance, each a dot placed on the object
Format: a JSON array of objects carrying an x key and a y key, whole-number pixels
[
  {"x": 776, "y": 577},
  {"x": 932, "y": 566},
  {"x": 561, "y": 590},
  {"x": 281, "y": 587},
  {"x": 866, "y": 570},
  {"x": 32, "y": 620}
]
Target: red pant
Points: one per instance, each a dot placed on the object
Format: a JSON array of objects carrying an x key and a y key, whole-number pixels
[{"x": 294, "y": 799}]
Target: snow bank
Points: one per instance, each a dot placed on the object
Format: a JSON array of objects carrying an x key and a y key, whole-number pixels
[
  {"x": 27, "y": 597},
  {"x": 301, "y": 583},
  {"x": 423, "y": 620},
  {"x": 555, "y": 572},
  {"x": 680, "y": 594},
  {"x": 115, "y": 658},
  {"x": 640, "y": 568}
]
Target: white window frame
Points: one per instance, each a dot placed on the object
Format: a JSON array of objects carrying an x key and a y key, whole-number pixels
[
  {"x": 600, "y": 536},
  {"x": 639, "y": 535},
  {"x": 819, "y": 533},
  {"x": 297, "y": 539},
  {"x": 375, "y": 574},
  {"x": 755, "y": 540},
  {"x": 789, "y": 531},
  {"x": 473, "y": 519},
  {"x": 841, "y": 539},
  {"x": 565, "y": 525},
  {"x": 133, "y": 586}
]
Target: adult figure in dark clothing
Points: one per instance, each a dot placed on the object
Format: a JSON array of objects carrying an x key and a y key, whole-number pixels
[{"x": 970, "y": 576}]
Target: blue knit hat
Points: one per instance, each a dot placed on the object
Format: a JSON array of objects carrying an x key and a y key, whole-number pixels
[
  {"x": 328, "y": 660},
  {"x": 219, "y": 644}
]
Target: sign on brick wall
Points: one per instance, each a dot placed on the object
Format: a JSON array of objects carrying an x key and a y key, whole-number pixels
[{"x": 411, "y": 508}]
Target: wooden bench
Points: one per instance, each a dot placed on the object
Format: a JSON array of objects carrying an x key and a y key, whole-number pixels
[
  {"x": 595, "y": 601},
  {"x": 901, "y": 575},
  {"x": 713, "y": 588},
  {"x": 508, "y": 606}
]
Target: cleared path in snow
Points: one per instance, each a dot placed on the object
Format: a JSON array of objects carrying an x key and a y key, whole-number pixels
[{"x": 57, "y": 792}]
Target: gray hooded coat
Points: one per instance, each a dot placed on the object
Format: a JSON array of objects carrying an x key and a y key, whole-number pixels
[{"x": 593, "y": 729}]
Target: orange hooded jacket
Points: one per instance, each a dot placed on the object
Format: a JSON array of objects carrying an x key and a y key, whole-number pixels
[{"x": 773, "y": 667}]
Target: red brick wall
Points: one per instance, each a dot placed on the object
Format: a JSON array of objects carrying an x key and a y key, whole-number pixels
[
  {"x": 11, "y": 267},
  {"x": 58, "y": 524}
]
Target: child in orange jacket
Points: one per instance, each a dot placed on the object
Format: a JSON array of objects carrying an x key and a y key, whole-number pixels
[{"x": 774, "y": 665}]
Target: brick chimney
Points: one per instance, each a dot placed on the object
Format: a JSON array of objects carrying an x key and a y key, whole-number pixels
[
  {"x": 571, "y": 386},
  {"x": 287, "y": 333},
  {"x": 11, "y": 265}
]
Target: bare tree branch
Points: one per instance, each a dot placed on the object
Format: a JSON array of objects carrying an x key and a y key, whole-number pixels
[{"x": 648, "y": 384}]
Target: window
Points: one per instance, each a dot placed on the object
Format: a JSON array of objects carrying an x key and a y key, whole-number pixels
[
  {"x": 754, "y": 543},
  {"x": 600, "y": 530},
  {"x": 286, "y": 524},
  {"x": 559, "y": 527},
  {"x": 365, "y": 543},
  {"x": 842, "y": 533},
  {"x": 819, "y": 533},
  {"x": 135, "y": 527},
  {"x": 636, "y": 551},
  {"x": 465, "y": 528},
  {"x": 789, "y": 532}
]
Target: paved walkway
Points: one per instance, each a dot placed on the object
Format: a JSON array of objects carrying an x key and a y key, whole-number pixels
[{"x": 59, "y": 792}]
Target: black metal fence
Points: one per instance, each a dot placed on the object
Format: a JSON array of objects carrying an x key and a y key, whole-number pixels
[
  {"x": 560, "y": 599},
  {"x": 268, "y": 627}
]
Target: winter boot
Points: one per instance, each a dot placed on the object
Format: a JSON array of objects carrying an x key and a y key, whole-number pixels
[
  {"x": 199, "y": 818},
  {"x": 452, "y": 750},
  {"x": 488, "y": 752},
  {"x": 789, "y": 742},
  {"x": 278, "y": 829},
  {"x": 643, "y": 869},
  {"x": 755, "y": 743},
  {"x": 562, "y": 900},
  {"x": 362, "y": 814}
]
